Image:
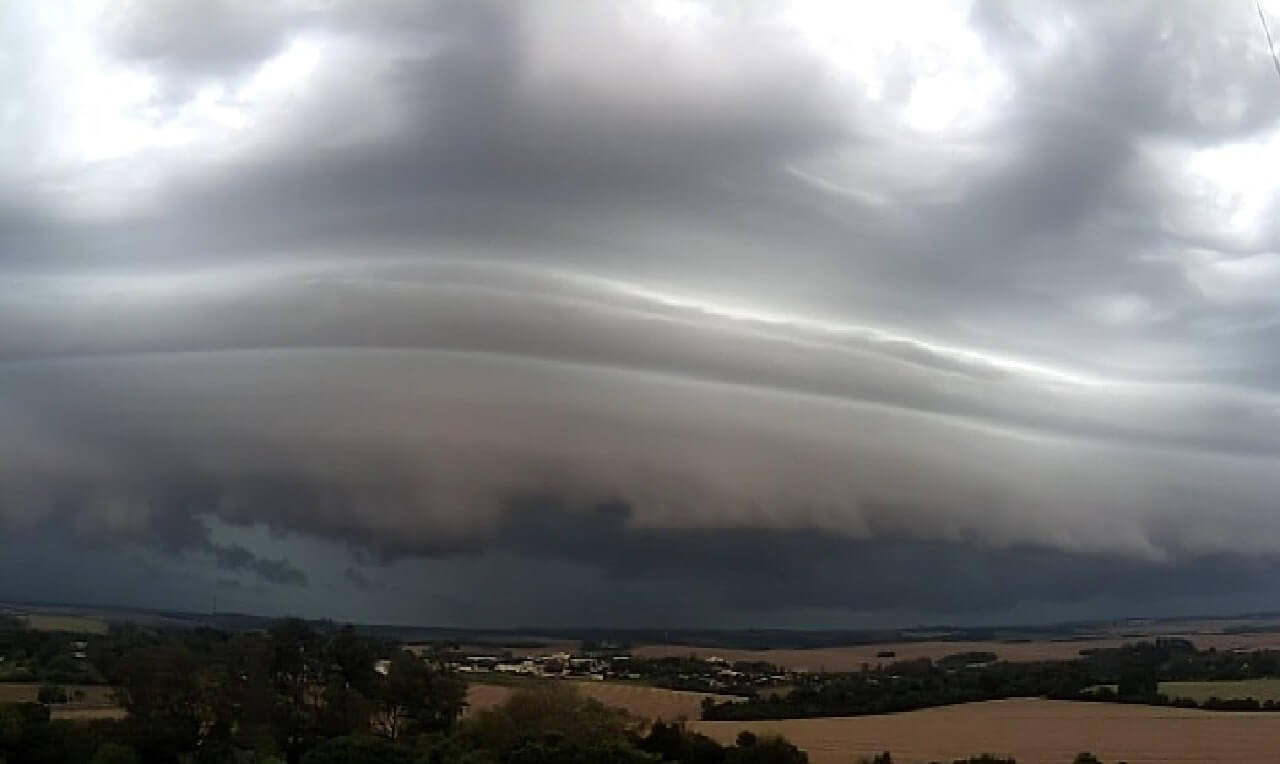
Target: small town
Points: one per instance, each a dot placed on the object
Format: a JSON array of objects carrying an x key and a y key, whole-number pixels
[{"x": 709, "y": 674}]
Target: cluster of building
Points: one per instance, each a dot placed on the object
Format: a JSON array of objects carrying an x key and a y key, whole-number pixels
[
  {"x": 555, "y": 665},
  {"x": 710, "y": 674}
]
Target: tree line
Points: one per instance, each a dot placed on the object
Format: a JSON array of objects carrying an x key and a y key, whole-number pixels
[
  {"x": 1128, "y": 674},
  {"x": 295, "y": 695}
]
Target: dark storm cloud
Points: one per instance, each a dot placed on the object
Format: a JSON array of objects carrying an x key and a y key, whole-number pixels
[
  {"x": 234, "y": 557},
  {"x": 358, "y": 579},
  {"x": 842, "y": 290},
  {"x": 181, "y": 530},
  {"x": 754, "y": 570},
  {"x": 428, "y": 453}
]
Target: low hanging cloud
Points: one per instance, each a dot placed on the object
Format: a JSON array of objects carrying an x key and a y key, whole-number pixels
[
  {"x": 983, "y": 281},
  {"x": 426, "y": 452},
  {"x": 235, "y": 557}
]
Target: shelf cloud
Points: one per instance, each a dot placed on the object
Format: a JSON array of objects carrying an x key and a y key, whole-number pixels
[{"x": 758, "y": 312}]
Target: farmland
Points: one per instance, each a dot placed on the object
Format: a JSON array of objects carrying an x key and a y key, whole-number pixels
[
  {"x": 68, "y": 623},
  {"x": 1033, "y": 731},
  {"x": 25, "y": 692},
  {"x": 852, "y": 658},
  {"x": 86, "y": 714},
  {"x": 1258, "y": 689},
  {"x": 95, "y": 701},
  {"x": 637, "y": 699}
]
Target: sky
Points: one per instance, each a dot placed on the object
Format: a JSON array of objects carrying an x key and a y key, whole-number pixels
[{"x": 659, "y": 312}]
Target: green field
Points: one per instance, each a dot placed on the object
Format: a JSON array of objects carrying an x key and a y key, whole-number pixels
[{"x": 1258, "y": 689}]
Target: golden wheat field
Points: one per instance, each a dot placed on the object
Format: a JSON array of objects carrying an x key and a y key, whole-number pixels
[
  {"x": 1034, "y": 732},
  {"x": 95, "y": 703},
  {"x": 852, "y": 657},
  {"x": 636, "y": 699}
]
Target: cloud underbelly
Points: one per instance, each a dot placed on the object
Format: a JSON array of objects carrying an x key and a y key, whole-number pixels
[{"x": 428, "y": 453}]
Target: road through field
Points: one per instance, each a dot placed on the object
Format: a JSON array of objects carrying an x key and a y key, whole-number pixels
[{"x": 1034, "y": 732}]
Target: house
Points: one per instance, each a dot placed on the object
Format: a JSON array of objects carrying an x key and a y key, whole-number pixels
[{"x": 382, "y": 666}]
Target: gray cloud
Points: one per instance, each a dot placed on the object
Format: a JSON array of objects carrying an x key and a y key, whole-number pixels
[
  {"x": 750, "y": 570},
  {"x": 358, "y": 579},
  {"x": 985, "y": 282},
  {"x": 236, "y": 557}
]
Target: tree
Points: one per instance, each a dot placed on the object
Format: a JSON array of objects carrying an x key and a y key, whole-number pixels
[
  {"x": 766, "y": 750},
  {"x": 23, "y": 727},
  {"x": 28, "y": 736},
  {"x": 556, "y": 749},
  {"x": 1138, "y": 682},
  {"x": 344, "y": 711},
  {"x": 360, "y": 749},
  {"x": 417, "y": 698},
  {"x": 159, "y": 690},
  {"x": 448, "y": 749},
  {"x": 543, "y": 711},
  {"x": 351, "y": 658},
  {"x": 293, "y": 667},
  {"x": 114, "y": 753},
  {"x": 674, "y": 742}
]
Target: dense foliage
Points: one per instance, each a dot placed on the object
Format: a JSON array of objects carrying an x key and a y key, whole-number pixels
[
  {"x": 207, "y": 696},
  {"x": 983, "y": 758},
  {"x": 697, "y": 675},
  {"x": 295, "y": 695},
  {"x": 27, "y": 655}
]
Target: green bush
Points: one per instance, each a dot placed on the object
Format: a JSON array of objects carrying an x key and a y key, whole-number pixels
[
  {"x": 766, "y": 750},
  {"x": 359, "y": 749},
  {"x": 114, "y": 753}
]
